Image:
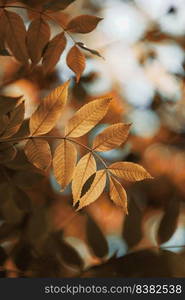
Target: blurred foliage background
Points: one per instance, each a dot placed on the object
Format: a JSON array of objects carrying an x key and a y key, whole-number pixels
[{"x": 142, "y": 43}]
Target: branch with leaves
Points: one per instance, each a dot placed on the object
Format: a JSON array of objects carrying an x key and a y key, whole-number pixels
[
  {"x": 64, "y": 160},
  {"x": 29, "y": 47}
]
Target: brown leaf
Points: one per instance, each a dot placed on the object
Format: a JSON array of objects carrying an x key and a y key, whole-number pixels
[
  {"x": 37, "y": 38},
  {"x": 7, "y": 152},
  {"x": 95, "y": 190},
  {"x": 83, "y": 24},
  {"x": 64, "y": 162},
  {"x": 129, "y": 171},
  {"x": 16, "y": 36},
  {"x": 58, "y": 5},
  {"x": 111, "y": 137},
  {"x": 2, "y": 28},
  {"x": 118, "y": 194},
  {"x": 15, "y": 121},
  {"x": 49, "y": 111},
  {"x": 76, "y": 61},
  {"x": 3, "y": 123},
  {"x": 7, "y": 104},
  {"x": 83, "y": 171},
  {"x": 87, "y": 117},
  {"x": 53, "y": 52},
  {"x": 92, "y": 51},
  {"x": 38, "y": 153}
]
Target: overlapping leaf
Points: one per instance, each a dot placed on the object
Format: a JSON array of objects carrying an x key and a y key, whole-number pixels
[
  {"x": 118, "y": 194},
  {"x": 49, "y": 111},
  {"x": 37, "y": 37},
  {"x": 7, "y": 104},
  {"x": 129, "y": 171},
  {"x": 64, "y": 162},
  {"x": 53, "y": 52},
  {"x": 38, "y": 153},
  {"x": 111, "y": 137},
  {"x": 83, "y": 171},
  {"x": 83, "y": 24},
  {"x": 76, "y": 61},
  {"x": 16, "y": 36},
  {"x": 95, "y": 190},
  {"x": 14, "y": 122},
  {"x": 58, "y": 5},
  {"x": 7, "y": 152},
  {"x": 87, "y": 117}
]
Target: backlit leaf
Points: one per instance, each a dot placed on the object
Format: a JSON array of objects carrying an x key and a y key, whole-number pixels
[
  {"x": 58, "y": 5},
  {"x": 83, "y": 171},
  {"x": 129, "y": 171},
  {"x": 16, "y": 36},
  {"x": 64, "y": 162},
  {"x": 15, "y": 121},
  {"x": 87, "y": 117},
  {"x": 38, "y": 153},
  {"x": 53, "y": 52},
  {"x": 49, "y": 111},
  {"x": 118, "y": 194},
  {"x": 37, "y": 37},
  {"x": 95, "y": 190},
  {"x": 83, "y": 24},
  {"x": 111, "y": 137},
  {"x": 76, "y": 61}
]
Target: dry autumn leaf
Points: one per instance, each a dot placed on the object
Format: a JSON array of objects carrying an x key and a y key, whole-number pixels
[
  {"x": 111, "y": 137},
  {"x": 129, "y": 171},
  {"x": 64, "y": 162},
  {"x": 15, "y": 121},
  {"x": 58, "y": 5},
  {"x": 53, "y": 52},
  {"x": 7, "y": 104},
  {"x": 2, "y": 28},
  {"x": 76, "y": 61},
  {"x": 38, "y": 153},
  {"x": 118, "y": 194},
  {"x": 7, "y": 152},
  {"x": 87, "y": 117},
  {"x": 49, "y": 111},
  {"x": 16, "y": 36},
  {"x": 37, "y": 38},
  {"x": 83, "y": 24},
  {"x": 83, "y": 171},
  {"x": 95, "y": 190}
]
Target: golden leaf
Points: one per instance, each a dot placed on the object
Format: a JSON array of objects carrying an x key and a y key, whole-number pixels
[
  {"x": 118, "y": 194},
  {"x": 49, "y": 111},
  {"x": 76, "y": 61},
  {"x": 37, "y": 37},
  {"x": 95, "y": 190},
  {"x": 129, "y": 171},
  {"x": 16, "y": 36},
  {"x": 15, "y": 121},
  {"x": 83, "y": 171},
  {"x": 53, "y": 52},
  {"x": 58, "y": 5},
  {"x": 38, "y": 153},
  {"x": 64, "y": 162},
  {"x": 111, "y": 137},
  {"x": 87, "y": 117},
  {"x": 83, "y": 24}
]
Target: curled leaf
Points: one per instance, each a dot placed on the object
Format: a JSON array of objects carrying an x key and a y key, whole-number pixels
[
  {"x": 64, "y": 162},
  {"x": 53, "y": 52},
  {"x": 37, "y": 37},
  {"x": 38, "y": 153},
  {"x": 83, "y": 24},
  {"x": 95, "y": 190},
  {"x": 92, "y": 51},
  {"x": 118, "y": 194},
  {"x": 49, "y": 111},
  {"x": 87, "y": 117},
  {"x": 83, "y": 171},
  {"x": 129, "y": 171},
  {"x": 111, "y": 137},
  {"x": 76, "y": 61}
]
